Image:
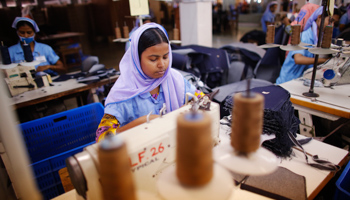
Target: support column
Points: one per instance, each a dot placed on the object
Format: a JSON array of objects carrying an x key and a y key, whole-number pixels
[{"x": 196, "y": 23}]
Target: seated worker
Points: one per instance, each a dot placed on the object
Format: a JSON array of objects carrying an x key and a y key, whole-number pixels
[
  {"x": 299, "y": 61},
  {"x": 145, "y": 19},
  {"x": 304, "y": 14},
  {"x": 336, "y": 20},
  {"x": 26, "y": 29},
  {"x": 146, "y": 82},
  {"x": 268, "y": 16},
  {"x": 345, "y": 20}
]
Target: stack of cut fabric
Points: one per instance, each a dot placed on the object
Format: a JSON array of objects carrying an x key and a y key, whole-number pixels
[{"x": 279, "y": 118}]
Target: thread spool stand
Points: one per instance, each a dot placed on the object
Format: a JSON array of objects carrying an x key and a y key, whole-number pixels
[
  {"x": 311, "y": 92},
  {"x": 176, "y": 36},
  {"x": 118, "y": 34},
  {"x": 325, "y": 47},
  {"x": 125, "y": 30},
  {"x": 243, "y": 154},
  {"x": 194, "y": 176},
  {"x": 295, "y": 40},
  {"x": 6, "y": 60},
  {"x": 270, "y": 38}
]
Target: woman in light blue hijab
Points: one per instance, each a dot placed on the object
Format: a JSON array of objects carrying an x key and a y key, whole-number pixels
[
  {"x": 268, "y": 16},
  {"x": 145, "y": 84}
]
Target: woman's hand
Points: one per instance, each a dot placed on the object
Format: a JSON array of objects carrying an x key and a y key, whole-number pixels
[
  {"x": 58, "y": 67},
  {"x": 43, "y": 68},
  {"x": 303, "y": 60}
]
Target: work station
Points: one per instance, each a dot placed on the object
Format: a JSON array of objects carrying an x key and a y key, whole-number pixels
[{"x": 149, "y": 99}]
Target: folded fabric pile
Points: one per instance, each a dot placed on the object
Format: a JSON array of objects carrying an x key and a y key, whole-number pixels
[{"x": 279, "y": 118}]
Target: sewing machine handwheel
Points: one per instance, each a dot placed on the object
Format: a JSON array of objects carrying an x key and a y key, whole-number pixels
[{"x": 76, "y": 175}]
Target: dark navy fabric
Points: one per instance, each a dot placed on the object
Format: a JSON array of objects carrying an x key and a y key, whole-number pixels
[
  {"x": 279, "y": 118},
  {"x": 212, "y": 63},
  {"x": 249, "y": 58},
  {"x": 180, "y": 61},
  {"x": 270, "y": 65}
]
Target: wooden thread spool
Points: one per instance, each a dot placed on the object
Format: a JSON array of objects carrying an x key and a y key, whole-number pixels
[
  {"x": 28, "y": 55},
  {"x": 115, "y": 173},
  {"x": 126, "y": 31},
  {"x": 176, "y": 34},
  {"x": 327, "y": 37},
  {"x": 118, "y": 33},
  {"x": 295, "y": 38},
  {"x": 270, "y": 34},
  {"x": 247, "y": 122},
  {"x": 5, "y": 55},
  {"x": 194, "y": 162}
]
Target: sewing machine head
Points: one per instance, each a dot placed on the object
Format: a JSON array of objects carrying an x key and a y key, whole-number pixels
[
  {"x": 22, "y": 77},
  {"x": 151, "y": 147},
  {"x": 336, "y": 71}
]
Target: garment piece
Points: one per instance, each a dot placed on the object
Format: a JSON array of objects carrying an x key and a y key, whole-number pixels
[
  {"x": 290, "y": 70},
  {"x": 41, "y": 52},
  {"x": 210, "y": 64},
  {"x": 133, "y": 81},
  {"x": 279, "y": 118},
  {"x": 275, "y": 186}
]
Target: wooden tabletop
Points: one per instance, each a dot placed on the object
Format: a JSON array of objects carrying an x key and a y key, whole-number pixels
[{"x": 60, "y": 36}]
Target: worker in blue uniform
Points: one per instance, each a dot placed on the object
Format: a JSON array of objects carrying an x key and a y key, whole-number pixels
[
  {"x": 268, "y": 16},
  {"x": 299, "y": 61},
  {"x": 49, "y": 60}
]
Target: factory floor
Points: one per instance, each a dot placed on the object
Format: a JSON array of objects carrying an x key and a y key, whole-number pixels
[{"x": 110, "y": 53}]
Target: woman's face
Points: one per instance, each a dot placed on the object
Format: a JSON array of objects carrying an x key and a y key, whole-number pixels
[
  {"x": 318, "y": 21},
  {"x": 25, "y": 31},
  {"x": 155, "y": 60}
]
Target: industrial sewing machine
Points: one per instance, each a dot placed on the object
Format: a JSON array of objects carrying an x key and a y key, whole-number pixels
[
  {"x": 23, "y": 77},
  {"x": 336, "y": 71},
  {"x": 151, "y": 147}
]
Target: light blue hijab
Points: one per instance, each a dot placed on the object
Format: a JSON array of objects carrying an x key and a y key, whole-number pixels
[{"x": 269, "y": 5}]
